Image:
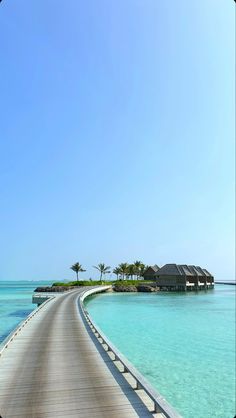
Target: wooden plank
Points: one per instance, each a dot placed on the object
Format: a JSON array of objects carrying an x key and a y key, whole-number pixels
[{"x": 52, "y": 368}]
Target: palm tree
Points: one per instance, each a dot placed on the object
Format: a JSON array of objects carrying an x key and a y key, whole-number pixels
[
  {"x": 142, "y": 269},
  {"x": 77, "y": 268},
  {"x": 103, "y": 269},
  {"x": 131, "y": 270},
  {"x": 138, "y": 267},
  {"x": 123, "y": 267},
  {"x": 117, "y": 272}
]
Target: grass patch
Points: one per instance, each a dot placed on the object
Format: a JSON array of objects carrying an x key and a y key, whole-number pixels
[
  {"x": 104, "y": 282},
  {"x": 83, "y": 283}
]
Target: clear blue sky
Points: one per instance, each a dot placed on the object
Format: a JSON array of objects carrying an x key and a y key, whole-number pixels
[{"x": 117, "y": 135}]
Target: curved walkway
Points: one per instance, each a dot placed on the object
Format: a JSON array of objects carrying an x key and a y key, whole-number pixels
[{"x": 54, "y": 369}]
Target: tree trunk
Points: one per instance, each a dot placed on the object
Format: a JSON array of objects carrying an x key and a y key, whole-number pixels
[
  {"x": 77, "y": 274},
  {"x": 101, "y": 277}
]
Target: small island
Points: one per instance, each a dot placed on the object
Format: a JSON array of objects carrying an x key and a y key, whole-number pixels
[{"x": 138, "y": 277}]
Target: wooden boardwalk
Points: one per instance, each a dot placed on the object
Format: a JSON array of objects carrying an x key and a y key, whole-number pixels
[{"x": 55, "y": 368}]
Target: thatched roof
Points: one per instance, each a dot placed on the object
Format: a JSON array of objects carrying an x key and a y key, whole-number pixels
[
  {"x": 155, "y": 267},
  {"x": 152, "y": 269},
  {"x": 182, "y": 270}
]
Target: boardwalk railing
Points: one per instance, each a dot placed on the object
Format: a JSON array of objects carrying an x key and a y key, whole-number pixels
[
  {"x": 160, "y": 404},
  {"x": 22, "y": 324}
]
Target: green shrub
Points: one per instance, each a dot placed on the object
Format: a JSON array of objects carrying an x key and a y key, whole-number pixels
[
  {"x": 104, "y": 282},
  {"x": 83, "y": 283},
  {"x": 60, "y": 284}
]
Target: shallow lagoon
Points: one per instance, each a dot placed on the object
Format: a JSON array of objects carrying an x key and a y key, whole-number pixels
[
  {"x": 15, "y": 303},
  {"x": 183, "y": 343}
]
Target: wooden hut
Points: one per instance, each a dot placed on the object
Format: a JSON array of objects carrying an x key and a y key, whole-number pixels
[
  {"x": 183, "y": 277},
  {"x": 149, "y": 273}
]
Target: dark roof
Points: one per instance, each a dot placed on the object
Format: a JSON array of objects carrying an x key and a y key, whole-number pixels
[
  {"x": 154, "y": 268},
  {"x": 182, "y": 270},
  {"x": 207, "y": 273}
]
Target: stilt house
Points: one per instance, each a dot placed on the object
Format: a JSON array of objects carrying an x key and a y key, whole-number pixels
[{"x": 183, "y": 277}]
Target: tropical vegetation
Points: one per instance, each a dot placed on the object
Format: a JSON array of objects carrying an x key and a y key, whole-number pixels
[
  {"x": 81, "y": 283},
  {"x": 124, "y": 272},
  {"x": 103, "y": 269},
  {"x": 77, "y": 268}
]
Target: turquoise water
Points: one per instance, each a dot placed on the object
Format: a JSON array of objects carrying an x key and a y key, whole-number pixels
[
  {"x": 15, "y": 303},
  {"x": 182, "y": 343}
]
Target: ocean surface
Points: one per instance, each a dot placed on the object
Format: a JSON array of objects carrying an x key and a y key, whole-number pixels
[
  {"x": 15, "y": 303},
  {"x": 183, "y": 343}
]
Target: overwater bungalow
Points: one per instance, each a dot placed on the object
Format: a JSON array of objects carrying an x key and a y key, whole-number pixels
[{"x": 182, "y": 277}]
